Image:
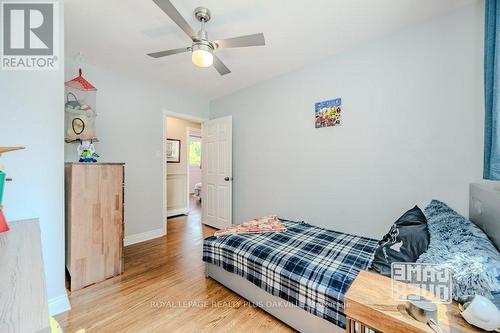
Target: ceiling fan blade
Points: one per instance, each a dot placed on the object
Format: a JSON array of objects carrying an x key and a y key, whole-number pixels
[
  {"x": 242, "y": 41},
  {"x": 172, "y": 12},
  {"x": 220, "y": 67},
  {"x": 168, "y": 52}
]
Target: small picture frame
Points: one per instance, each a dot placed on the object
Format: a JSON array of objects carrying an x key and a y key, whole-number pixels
[
  {"x": 328, "y": 113},
  {"x": 173, "y": 151}
]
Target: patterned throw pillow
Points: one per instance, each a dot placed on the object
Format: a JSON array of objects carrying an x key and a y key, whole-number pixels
[
  {"x": 405, "y": 242},
  {"x": 458, "y": 244}
]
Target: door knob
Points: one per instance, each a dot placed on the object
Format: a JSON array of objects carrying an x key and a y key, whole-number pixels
[{"x": 227, "y": 179}]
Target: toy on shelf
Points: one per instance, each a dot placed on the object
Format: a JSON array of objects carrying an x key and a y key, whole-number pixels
[
  {"x": 3, "y": 177},
  {"x": 80, "y": 109},
  {"x": 3, "y": 222},
  {"x": 86, "y": 152}
]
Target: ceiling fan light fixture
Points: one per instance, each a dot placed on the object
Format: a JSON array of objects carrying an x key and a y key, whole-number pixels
[
  {"x": 202, "y": 48},
  {"x": 202, "y": 55}
]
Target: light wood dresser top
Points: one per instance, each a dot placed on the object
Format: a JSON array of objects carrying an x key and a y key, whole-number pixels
[
  {"x": 23, "y": 297},
  {"x": 369, "y": 301}
]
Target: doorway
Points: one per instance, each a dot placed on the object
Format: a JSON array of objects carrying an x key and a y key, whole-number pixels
[
  {"x": 191, "y": 145},
  {"x": 178, "y": 159},
  {"x": 194, "y": 169}
]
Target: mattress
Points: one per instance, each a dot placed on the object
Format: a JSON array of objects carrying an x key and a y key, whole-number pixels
[{"x": 308, "y": 266}]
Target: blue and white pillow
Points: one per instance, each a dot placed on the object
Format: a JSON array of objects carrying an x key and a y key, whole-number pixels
[{"x": 458, "y": 244}]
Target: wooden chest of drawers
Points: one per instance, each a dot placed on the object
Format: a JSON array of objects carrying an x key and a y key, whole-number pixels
[{"x": 94, "y": 222}]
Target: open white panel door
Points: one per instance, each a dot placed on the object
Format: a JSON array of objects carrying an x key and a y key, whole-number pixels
[{"x": 217, "y": 172}]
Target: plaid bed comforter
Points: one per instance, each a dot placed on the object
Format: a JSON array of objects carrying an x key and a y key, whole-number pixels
[{"x": 307, "y": 266}]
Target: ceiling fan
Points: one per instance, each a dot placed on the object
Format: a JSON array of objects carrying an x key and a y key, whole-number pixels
[{"x": 202, "y": 48}]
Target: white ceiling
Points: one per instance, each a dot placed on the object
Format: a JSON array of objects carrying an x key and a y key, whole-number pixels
[{"x": 117, "y": 34}]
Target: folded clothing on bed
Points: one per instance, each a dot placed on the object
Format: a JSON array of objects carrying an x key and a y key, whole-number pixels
[
  {"x": 307, "y": 266},
  {"x": 269, "y": 223}
]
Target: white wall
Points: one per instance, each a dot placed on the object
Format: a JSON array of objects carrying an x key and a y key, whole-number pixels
[
  {"x": 130, "y": 129},
  {"x": 31, "y": 115},
  {"x": 412, "y": 130}
]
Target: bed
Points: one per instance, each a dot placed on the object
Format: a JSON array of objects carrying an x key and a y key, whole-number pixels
[
  {"x": 301, "y": 276},
  {"x": 305, "y": 272}
]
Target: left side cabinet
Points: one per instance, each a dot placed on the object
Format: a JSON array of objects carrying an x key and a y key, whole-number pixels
[{"x": 94, "y": 196}]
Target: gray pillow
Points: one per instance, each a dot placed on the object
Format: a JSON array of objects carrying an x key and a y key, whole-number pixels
[{"x": 458, "y": 244}]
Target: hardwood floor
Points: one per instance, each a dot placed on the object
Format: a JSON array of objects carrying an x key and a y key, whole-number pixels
[{"x": 164, "y": 289}]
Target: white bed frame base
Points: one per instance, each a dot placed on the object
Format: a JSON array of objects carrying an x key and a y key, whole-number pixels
[{"x": 297, "y": 318}]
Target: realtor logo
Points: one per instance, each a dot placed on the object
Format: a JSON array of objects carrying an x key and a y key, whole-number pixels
[{"x": 30, "y": 35}]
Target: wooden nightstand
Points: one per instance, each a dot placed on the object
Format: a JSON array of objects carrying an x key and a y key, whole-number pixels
[{"x": 369, "y": 304}]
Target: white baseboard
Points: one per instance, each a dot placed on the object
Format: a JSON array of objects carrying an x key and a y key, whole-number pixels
[
  {"x": 59, "y": 304},
  {"x": 144, "y": 236},
  {"x": 181, "y": 211}
]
